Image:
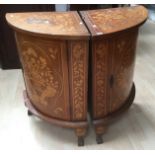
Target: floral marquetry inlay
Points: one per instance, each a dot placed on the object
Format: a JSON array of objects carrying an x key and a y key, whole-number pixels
[
  {"x": 49, "y": 23},
  {"x": 79, "y": 78},
  {"x": 57, "y": 50},
  {"x": 42, "y": 64},
  {"x": 39, "y": 73},
  {"x": 100, "y": 73},
  {"x": 104, "y": 21}
]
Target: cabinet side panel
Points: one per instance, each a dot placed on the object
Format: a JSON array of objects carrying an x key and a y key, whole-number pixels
[
  {"x": 123, "y": 67},
  {"x": 99, "y": 77},
  {"x": 45, "y": 69},
  {"x": 78, "y": 72}
]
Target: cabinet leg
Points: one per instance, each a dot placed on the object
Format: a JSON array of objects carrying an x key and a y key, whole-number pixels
[
  {"x": 100, "y": 130},
  {"x": 80, "y": 141},
  {"x": 99, "y": 139},
  {"x": 80, "y": 133},
  {"x": 29, "y": 113}
]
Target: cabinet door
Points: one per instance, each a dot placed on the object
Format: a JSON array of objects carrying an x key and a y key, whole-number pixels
[
  {"x": 45, "y": 67},
  {"x": 123, "y": 49}
]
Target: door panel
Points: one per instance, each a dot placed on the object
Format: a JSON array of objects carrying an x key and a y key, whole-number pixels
[
  {"x": 122, "y": 67},
  {"x": 45, "y": 69}
]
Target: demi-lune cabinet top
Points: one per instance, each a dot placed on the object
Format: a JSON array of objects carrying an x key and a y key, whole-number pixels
[
  {"x": 106, "y": 21},
  {"x": 52, "y": 24}
]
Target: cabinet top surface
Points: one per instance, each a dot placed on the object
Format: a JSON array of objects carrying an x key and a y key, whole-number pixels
[
  {"x": 106, "y": 21},
  {"x": 60, "y": 24}
]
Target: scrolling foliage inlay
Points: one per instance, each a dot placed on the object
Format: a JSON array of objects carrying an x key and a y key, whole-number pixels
[
  {"x": 43, "y": 73},
  {"x": 100, "y": 59},
  {"x": 116, "y": 19},
  {"x": 79, "y": 73}
]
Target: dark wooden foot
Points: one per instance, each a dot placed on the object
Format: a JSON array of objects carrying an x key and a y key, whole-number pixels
[
  {"x": 100, "y": 130},
  {"x": 80, "y": 133},
  {"x": 29, "y": 113},
  {"x": 80, "y": 141},
  {"x": 99, "y": 139}
]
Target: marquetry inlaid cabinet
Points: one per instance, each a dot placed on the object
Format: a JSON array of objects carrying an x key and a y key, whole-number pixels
[
  {"x": 113, "y": 44},
  {"x": 76, "y": 64}
]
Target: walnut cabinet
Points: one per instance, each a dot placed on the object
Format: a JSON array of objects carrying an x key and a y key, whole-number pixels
[{"x": 75, "y": 64}]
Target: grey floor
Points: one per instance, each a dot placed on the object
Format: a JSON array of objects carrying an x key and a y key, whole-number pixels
[{"x": 135, "y": 130}]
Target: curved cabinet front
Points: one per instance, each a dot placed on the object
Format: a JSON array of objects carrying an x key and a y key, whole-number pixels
[
  {"x": 53, "y": 49},
  {"x": 112, "y": 72},
  {"x": 45, "y": 66},
  {"x": 122, "y": 68},
  {"x": 113, "y": 45}
]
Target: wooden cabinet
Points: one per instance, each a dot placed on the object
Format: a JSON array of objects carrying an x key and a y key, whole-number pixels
[
  {"x": 54, "y": 49},
  {"x": 113, "y": 45}
]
